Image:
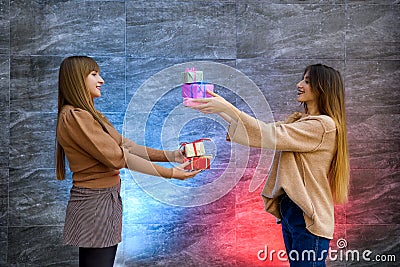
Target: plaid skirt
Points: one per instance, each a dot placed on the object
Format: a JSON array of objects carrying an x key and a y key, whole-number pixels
[{"x": 93, "y": 217}]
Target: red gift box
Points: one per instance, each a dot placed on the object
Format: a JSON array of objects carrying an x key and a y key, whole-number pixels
[{"x": 198, "y": 163}]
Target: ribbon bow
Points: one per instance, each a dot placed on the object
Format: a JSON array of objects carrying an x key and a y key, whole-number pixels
[
  {"x": 193, "y": 69},
  {"x": 199, "y": 89},
  {"x": 194, "y": 143}
]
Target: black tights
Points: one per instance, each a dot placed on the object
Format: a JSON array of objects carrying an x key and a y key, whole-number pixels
[{"x": 97, "y": 257}]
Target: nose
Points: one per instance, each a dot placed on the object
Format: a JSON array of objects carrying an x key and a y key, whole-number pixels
[
  {"x": 299, "y": 84},
  {"x": 101, "y": 80}
]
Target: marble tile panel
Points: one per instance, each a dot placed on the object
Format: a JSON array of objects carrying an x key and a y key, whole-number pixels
[
  {"x": 141, "y": 70},
  {"x": 277, "y": 79},
  {"x": 4, "y": 199},
  {"x": 132, "y": 41},
  {"x": 372, "y": 87},
  {"x": 138, "y": 70},
  {"x": 185, "y": 29},
  {"x": 104, "y": 0},
  {"x": 208, "y": 187},
  {"x": 285, "y": 2},
  {"x": 116, "y": 119},
  {"x": 249, "y": 204},
  {"x": 140, "y": 207},
  {"x": 3, "y": 245},
  {"x": 203, "y": 126},
  {"x": 133, "y": 127},
  {"x": 167, "y": 129},
  {"x": 374, "y": 197},
  {"x": 370, "y": 154},
  {"x": 340, "y": 214},
  {"x": 141, "y": 87},
  {"x": 254, "y": 243},
  {"x": 34, "y": 83},
  {"x": 32, "y": 137},
  {"x": 40, "y": 203},
  {"x": 377, "y": 242},
  {"x": 4, "y": 83},
  {"x": 113, "y": 92},
  {"x": 373, "y": 31},
  {"x": 373, "y": 2},
  {"x": 5, "y": 27},
  {"x": 177, "y": 245},
  {"x": 39, "y": 246},
  {"x": 167, "y": 103},
  {"x": 4, "y": 139},
  {"x": 295, "y": 31},
  {"x": 377, "y": 128},
  {"x": 67, "y": 27}
]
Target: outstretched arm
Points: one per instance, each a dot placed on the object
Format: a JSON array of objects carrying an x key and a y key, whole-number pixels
[
  {"x": 152, "y": 154},
  {"x": 139, "y": 164},
  {"x": 217, "y": 105}
]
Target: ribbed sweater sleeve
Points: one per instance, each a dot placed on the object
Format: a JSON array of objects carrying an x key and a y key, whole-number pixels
[{"x": 304, "y": 135}]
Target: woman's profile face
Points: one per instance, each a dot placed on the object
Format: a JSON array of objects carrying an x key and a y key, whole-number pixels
[
  {"x": 94, "y": 82},
  {"x": 304, "y": 92}
]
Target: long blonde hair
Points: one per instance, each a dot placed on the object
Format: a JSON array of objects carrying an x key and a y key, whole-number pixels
[
  {"x": 72, "y": 90},
  {"x": 327, "y": 84}
]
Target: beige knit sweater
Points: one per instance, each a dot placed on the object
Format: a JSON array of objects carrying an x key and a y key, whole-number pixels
[{"x": 304, "y": 151}]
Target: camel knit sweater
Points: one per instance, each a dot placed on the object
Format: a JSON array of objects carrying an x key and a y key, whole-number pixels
[
  {"x": 304, "y": 152},
  {"x": 95, "y": 156}
]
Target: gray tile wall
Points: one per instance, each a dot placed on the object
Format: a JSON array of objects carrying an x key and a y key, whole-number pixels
[{"x": 271, "y": 41}]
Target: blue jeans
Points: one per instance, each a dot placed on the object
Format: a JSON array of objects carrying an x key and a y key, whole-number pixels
[{"x": 303, "y": 248}]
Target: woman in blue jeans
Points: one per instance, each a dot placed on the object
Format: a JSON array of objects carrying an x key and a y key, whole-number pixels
[
  {"x": 303, "y": 248},
  {"x": 310, "y": 169}
]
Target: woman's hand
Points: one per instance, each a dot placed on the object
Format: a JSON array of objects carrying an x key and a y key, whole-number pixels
[
  {"x": 179, "y": 173},
  {"x": 216, "y": 105}
]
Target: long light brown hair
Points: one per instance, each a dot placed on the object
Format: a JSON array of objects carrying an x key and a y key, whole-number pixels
[
  {"x": 72, "y": 90},
  {"x": 327, "y": 85}
]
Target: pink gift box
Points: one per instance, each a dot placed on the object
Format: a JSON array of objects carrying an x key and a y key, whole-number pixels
[{"x": 196, "y": 90}]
